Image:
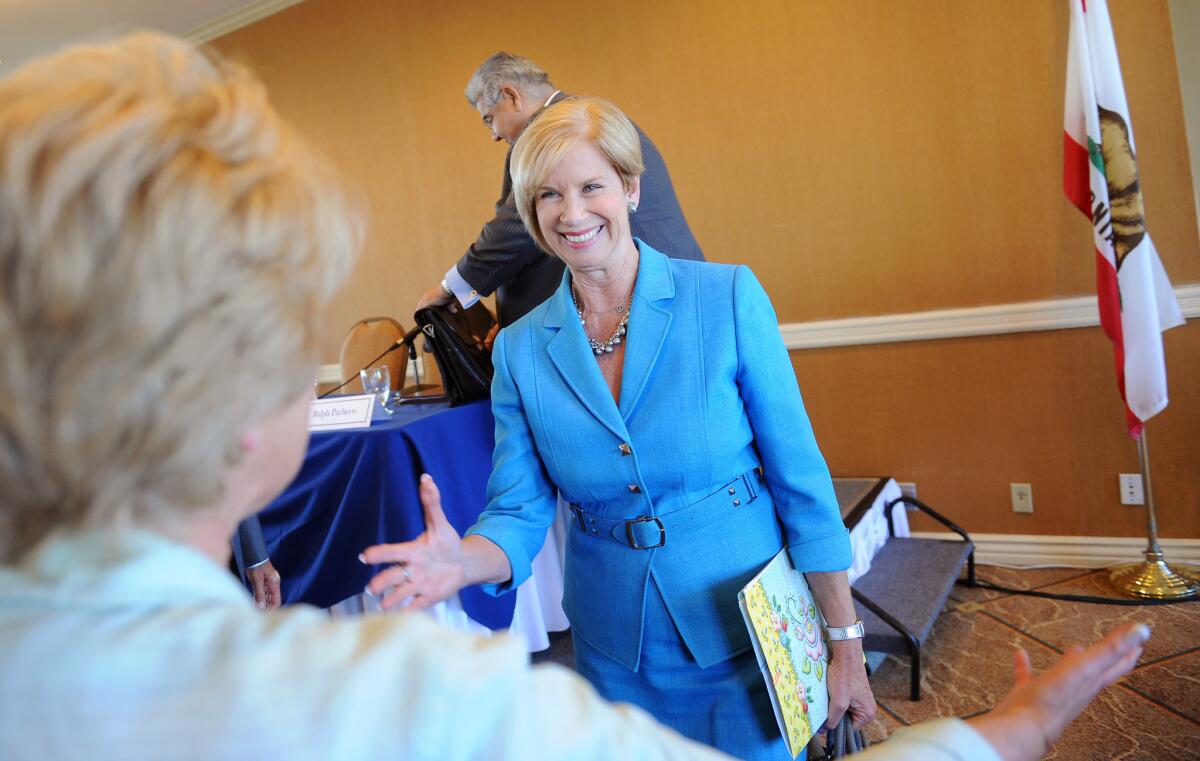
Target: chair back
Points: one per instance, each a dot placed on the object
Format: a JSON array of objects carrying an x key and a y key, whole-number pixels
[{"x": 368, "y": 338}]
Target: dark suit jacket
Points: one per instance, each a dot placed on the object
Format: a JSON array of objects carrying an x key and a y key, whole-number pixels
[
  {"x": 249, "y": 549},
  {"x": 506, "y": 261}
]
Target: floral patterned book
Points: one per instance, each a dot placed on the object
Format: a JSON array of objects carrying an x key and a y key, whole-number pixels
[{"x": 788, "y": 635}]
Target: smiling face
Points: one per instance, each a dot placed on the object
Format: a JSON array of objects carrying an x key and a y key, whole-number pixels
[{"x": 582, "y": 209}]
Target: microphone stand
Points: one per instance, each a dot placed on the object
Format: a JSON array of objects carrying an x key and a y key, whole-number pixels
[{"x": 407, "y": 340}]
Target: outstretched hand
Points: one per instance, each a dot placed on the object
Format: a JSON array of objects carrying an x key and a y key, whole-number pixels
[
  {"x": 1038, "y": 709},
  {"x": 428, "y": 569}
]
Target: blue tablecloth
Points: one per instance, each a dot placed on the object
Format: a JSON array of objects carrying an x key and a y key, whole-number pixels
[{"x": 359, "y": 487}]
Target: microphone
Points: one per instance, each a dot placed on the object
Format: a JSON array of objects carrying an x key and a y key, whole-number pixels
[
  {"x": 410, "y": 340},
  {"x": 406, "y": 340}
]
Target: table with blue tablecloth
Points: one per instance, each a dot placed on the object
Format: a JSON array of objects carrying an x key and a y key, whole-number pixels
[{"x": 358, "y": 487}]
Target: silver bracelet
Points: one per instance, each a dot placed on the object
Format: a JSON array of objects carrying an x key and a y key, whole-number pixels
[
  {"x": 839, "y": 633},
  {"x": 446, "y": 289}
]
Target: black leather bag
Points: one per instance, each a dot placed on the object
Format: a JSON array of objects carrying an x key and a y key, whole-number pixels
[
  {"x": 843, "y": 741},
  {"x": 455, "y": 339}
]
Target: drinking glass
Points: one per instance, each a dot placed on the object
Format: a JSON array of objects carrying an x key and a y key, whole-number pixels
[{"x": 377, "y": 381}]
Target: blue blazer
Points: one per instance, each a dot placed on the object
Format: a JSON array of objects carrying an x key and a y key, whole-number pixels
[{"x": 708, "y": 397}]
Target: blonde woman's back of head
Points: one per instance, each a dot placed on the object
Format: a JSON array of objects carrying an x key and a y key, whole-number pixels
[{"x": 167, "y": 244}]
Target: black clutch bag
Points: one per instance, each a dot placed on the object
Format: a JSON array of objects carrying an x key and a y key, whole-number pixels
[
  {"x": 456, "y": 341},
  {"x": 843, "y": 741}
]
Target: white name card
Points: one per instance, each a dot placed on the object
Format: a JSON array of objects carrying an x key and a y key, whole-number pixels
[{"x": 341, "y": 412}]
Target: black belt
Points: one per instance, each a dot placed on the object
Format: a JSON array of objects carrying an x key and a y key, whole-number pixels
[{"x": 647, "y": 532}]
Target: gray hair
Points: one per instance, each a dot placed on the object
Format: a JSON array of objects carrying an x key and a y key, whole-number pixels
[
  {"x": 503, "y": 69},
  {"x": 167, "y": 243}
]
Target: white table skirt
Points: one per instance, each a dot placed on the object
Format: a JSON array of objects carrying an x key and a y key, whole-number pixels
[{"x": 871, "y": 531}]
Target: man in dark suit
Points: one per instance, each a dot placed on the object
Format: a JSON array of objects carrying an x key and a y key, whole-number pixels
[
  {"x": 253, "y": 564},
  {"x": 508, "y": 90}
]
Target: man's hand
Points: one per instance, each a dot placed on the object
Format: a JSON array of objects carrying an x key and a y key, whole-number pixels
[
  {"x": 489, "y": 340},
  {"x": 435, "y": 296},
  {"x": 265, "y": 581}
]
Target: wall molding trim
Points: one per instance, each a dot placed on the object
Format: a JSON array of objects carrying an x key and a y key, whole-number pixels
[
  {"x": 1020, "y": 317},
  {"x": 1032, "y": 550},
  {"x": 234, "y": 20}
]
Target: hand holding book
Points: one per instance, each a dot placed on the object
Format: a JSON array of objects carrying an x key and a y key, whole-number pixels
[
  {"x": 849, "y": 690},
  {"x": 847, "y": 684},
  {"x": 809, "y": 690}
]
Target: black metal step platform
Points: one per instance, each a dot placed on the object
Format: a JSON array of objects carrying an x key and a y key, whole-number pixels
[{"x": 903, "y": 593}]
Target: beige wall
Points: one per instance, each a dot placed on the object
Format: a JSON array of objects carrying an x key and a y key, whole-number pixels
[
  {"x": 1185, "y": 25},
  {"x": 963, "y": 418},
  {"x": 864, "y": 157}
]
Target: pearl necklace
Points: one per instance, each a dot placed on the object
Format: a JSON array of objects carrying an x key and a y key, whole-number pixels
[{"x": 606, "y": 346}]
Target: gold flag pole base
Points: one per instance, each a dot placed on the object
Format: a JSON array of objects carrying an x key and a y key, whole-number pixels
[{"x": 1153, "y": 578}]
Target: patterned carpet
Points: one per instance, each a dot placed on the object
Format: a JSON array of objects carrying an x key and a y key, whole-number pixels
[{"x": 1154, "y": 713}]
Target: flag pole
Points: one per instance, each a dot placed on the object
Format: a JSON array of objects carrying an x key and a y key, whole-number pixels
[{"x": 1152, "y": 577}]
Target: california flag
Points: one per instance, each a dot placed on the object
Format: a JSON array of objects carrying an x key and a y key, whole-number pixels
[{"x": 1100, "y": 177}]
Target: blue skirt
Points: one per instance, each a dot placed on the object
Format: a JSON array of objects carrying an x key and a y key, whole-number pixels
[{"x": 726, "y": 705}]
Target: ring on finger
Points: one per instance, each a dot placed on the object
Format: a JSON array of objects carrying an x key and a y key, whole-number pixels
[{"x": 407, "y": 573}]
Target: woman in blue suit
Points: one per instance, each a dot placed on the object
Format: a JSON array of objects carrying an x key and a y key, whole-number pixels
[{"x": 657, "y": 397}]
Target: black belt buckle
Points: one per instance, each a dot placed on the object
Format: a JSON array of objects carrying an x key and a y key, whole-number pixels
[
  {"x": 577, "y": 511},
  {"x": 748, "y": 481},
  {"x": 662, "y": 532}
]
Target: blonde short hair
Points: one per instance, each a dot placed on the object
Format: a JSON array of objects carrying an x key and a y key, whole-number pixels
[
  {"x": 167, "y": 243},
  {"x": 553, "y": 132}
]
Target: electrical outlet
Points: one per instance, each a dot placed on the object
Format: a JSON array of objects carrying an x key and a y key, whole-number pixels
[
  {"x": 909, "y": 489},
  {"x": 1131, "y": 489},
  {"x": 1022, "y": 498}
]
